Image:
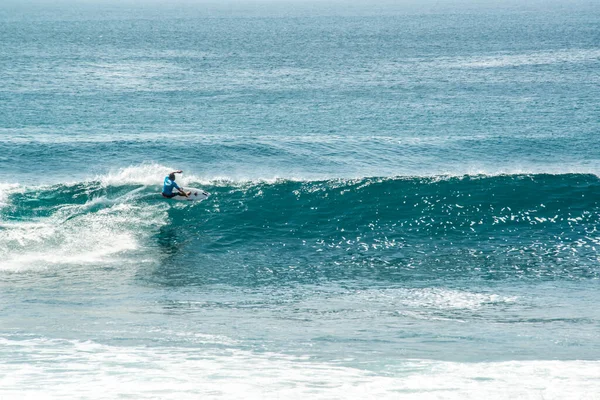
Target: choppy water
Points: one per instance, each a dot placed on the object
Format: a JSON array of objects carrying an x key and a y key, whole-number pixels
[{"x": 404, "y": 204}]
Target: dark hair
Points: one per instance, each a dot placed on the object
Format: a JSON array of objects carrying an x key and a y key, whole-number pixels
[{"x": 172, "y": 177}]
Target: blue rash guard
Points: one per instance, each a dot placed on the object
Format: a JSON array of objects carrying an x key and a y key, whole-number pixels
[{"x": 168, "y": 186}]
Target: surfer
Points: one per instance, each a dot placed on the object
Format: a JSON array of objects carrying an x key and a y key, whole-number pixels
[{"x": 169, "y": 185}]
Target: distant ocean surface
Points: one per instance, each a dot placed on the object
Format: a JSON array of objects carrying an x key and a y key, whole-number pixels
[{"x": 405, "y": 201}]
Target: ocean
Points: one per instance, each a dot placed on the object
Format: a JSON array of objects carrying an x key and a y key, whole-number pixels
[{"x": 405, "y": 200}]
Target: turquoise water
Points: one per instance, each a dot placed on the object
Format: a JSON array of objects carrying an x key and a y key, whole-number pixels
[{"x": 405, "y": 201}]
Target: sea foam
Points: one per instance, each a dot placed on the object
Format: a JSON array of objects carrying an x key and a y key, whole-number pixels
[{"x": 85, "y": 369}]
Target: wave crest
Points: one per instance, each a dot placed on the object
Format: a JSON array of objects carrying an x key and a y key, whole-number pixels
[{"x": 387, "y": 228}]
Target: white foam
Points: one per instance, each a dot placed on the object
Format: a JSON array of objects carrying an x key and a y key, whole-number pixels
[
  {"x": 438, "y": 298},
  {"x": 6, "y": 189},
  {"x": 72, "y": 252},
  {"x": 57, "y": 369},
  {"x": 414, "y": 303},
  {"x": 73, "y": 235},
  {"x": 145, "y": 174},
  {"x": 152, "y": 175}
]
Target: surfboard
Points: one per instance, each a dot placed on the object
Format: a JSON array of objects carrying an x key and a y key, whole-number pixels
[{"x": 195, "y": 195}]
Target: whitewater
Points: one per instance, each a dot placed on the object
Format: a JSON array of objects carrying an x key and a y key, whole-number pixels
[{"x": 404, "y": 201}]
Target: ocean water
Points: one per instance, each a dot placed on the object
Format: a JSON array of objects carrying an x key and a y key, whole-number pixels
[{"x": 405, "y": 200}]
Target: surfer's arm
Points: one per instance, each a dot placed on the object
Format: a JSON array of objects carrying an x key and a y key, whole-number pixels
[
  {"x": 176, "y": 172},
  {"x": 181, "y": 191}
]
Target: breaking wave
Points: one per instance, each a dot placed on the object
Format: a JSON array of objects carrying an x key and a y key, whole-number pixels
[{"x": 390, "y": 228}]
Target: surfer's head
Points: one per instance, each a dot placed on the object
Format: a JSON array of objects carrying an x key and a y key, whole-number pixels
[{"x": 172, "y": 176}]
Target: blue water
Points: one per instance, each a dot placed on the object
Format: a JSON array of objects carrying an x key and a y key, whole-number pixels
[{"x": 405, "y": 200}]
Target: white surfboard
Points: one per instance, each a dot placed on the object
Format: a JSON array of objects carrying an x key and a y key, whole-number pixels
[{"x": 195, "y": 195}]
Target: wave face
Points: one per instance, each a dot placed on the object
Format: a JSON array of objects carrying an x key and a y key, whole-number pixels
[{"x": 252, "y": 233}]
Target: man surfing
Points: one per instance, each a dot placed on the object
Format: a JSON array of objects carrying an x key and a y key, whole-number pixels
[{"x": 169, "y": 185}]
